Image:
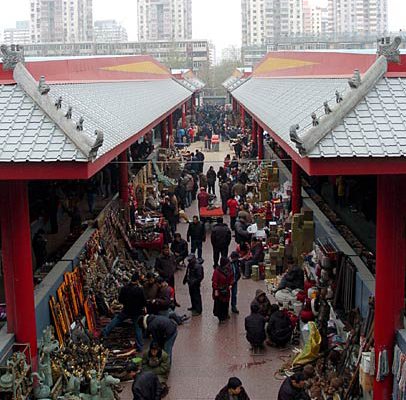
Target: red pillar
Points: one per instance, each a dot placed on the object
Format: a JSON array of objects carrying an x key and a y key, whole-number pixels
[
  {"x": 17, "y": 260},
  {"x": 254, "y": 131},
  {"x": 242, "y": 111},
  {"x": 390, "y": 270},
  {"x": 184, "y": 116},
  {"x": 193, "y": 104},
  {"x": 296, "y": 188},
  {"x": 123, "y": 158},
  {"x": 164, "y": 134},
  {"x": 170, "y": 129},
  {"x": 234, "y": 104},
  {"x": 260, "y": 143}
]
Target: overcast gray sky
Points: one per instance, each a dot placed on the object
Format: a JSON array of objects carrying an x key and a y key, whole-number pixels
[{"x": 216, "y": 20}]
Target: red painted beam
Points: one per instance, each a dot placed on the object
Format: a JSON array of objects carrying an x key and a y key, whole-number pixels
[
  {"x": 16, "y": 246},
  {"x": 390, "y": 271}
]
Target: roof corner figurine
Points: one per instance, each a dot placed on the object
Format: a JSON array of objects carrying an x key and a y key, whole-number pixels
[
  {"x": 339, "y": 98},
  {"x": 79, "y": 124},
  {"x": 68, "y": 114},
  {"x": 315, "y": 120},
  {"x": 97, "y": 144},
  {"x": 355, "y": 81},
  {"x": 327, "y": 109},
  {"x": 43, "y": 87},
  {"x": 58, "y": 103},
  {"x": 294, "y": 137},
  {"x": 389, "y": 50},
  {"x": 11, "y": 56}
]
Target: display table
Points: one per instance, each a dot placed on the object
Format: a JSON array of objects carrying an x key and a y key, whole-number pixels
[
  {"x": 210, "y": 213},
  {"x": 156, "y": 244}
]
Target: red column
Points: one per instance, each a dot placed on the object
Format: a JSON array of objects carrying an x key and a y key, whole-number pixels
[
  {"x": 260, "y": 143},
  {"x": 390, "y": 270},
  {"x": 164, "y": 133},
  {"x": 242, "y": 111},
  {"x": 234, "y": 104},
  {"x": 192, "y": 104},
  {"x": 17, "y": 260},
  {"x": 296, "y": 188},
  {"x": 184, "y": 116},
  {"x": 123, "y": 158},
  {"x": 254, "y": 131},
  {"x": 170, "y": 129}
]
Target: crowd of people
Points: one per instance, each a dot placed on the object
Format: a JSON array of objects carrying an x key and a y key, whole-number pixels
[{"x": 150, "y": 300}]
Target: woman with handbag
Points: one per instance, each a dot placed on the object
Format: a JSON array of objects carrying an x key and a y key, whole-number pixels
[{"x": 222, "y": 282}]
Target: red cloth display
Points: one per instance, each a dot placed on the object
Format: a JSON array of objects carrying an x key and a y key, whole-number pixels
[
  {"x": 215, "y": 212},
  {"x": 156, "y": 244}
]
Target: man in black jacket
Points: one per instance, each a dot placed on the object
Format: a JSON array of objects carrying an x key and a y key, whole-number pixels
[
  {"x": 196, "y": 235},
  {"x": 169, "y": 213},
  {"x": 179, "y": 248},
  {"x": 293, "y": 388},
  {"x": 133, "y": 300},
  {"x": 255, "y": 328},
  {"x": 279, "y": 327},
  {"x": 241, "y": 233},
  {"x": 220, "y": 240},
  {"x": 211, "y": 180},
  {"x": 162, "y": 329},
  {"x": 146, "y": 385},
  {"x": 233, "y": 390},
  {"x": 193, "y": 277}
]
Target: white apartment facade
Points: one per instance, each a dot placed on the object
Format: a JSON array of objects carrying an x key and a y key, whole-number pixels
[
  {"x": 18, "y": 35},
  {"x": 109, "y": 31},
  {"x": 61, "y": 21},
  {"x": 164, "y": 20}
]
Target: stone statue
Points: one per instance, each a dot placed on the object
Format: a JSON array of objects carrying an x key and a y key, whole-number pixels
[
  {"x": 41, "y": 389},
  {"x": 47, "y": 347},
  {"x": 68, "y": 114},
  {"x": 339, "y": 98},
  {"x": 58, "y": 103},
  {"x": 94, "y": 385},
  {"x": 43, "y": 87},
  {"x": 355, "y": 81},
  {"x": 73, "y": 386},
  {"x": 79, "y": 124},
  {"x": 327, "y": 109},
  {"x": 106, "y": 384},
  {"x": 315, "y": 120},
  {"x": 97, "y": 144}
]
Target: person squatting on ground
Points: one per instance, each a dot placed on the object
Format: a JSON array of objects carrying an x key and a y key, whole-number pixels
[
  {"x": 134, "y": 303},
  {"x": 156, "y": 361},
  {"x": 233, "y": 391},
  {"x": 146, "y": 385},
  {"x": 255, "y": 328}
]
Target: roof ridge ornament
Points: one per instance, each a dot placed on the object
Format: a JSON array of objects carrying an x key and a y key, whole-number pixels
[
  {"x": 43, "y": 87},
  {"x": 31, "y": 87},
  {"x": 388, "y": 49},
  {"x": 11, "y": 56},
  {"x": 355, "y": 81},
  {"x": 306, "y": 142}
]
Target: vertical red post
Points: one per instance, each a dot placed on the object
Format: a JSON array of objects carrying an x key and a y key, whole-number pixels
[
  {"x": 296, "y": 188},
  {"x": 192, "y": 105},
  {"x": 234, "y": 104},
  {"x": 164, "y": 134},
  {"x": 254, "y": 131},
  {"x": 260, "y": 140},
  {"x": 170, "y": 128},
  {"x": 390, "y": 271},
  {"x": 123, "y": 158},
  {"x": 17, "y": 259},
  {"x": 184, "y": 116},
  {"x": 242, "y": 112}
]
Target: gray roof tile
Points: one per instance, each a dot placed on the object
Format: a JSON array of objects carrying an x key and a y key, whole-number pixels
[
  {"x": 119, "y": 109},
  {"x": 377, "y": 126}
]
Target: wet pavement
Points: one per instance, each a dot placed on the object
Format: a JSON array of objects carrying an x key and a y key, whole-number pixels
[{"x": 206, "y": 354}]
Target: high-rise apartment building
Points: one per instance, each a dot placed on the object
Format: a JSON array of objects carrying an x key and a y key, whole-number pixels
[
  {"x": 164, "y": 20},
  {"x": 18, "y": 35},
  {"x": 362, "y": 17},
  {"x": 109, "y": 31},
  {"x": 66, "y": 21}
]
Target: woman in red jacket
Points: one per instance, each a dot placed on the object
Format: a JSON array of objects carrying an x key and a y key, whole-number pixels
[{"x": 222, "y": 282}]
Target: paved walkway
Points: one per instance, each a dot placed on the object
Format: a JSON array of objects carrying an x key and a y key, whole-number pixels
[{"x": 206, "y": 354}]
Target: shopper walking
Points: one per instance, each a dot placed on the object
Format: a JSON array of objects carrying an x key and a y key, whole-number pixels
[
  {"x": 193, "y": 278},
  {"x": 222, "y": 282},
  {"x": 232, "y": 205},
  {"x": 220, "y": 240},
  {"x": 196, "y": 235},
  {"x": 225, "y": 193},
  {"x": 211, "y": 180}
]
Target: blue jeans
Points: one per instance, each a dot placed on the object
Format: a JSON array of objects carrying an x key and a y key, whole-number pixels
[
  {"x": 120, "y": 318},
  {"x": 234, "y": 289},
  {"x": 168, "y": 346},
  {"x": 196, "y": 245}
]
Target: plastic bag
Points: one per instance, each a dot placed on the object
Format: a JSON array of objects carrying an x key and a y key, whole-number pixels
[{"x": 311, "y": 348}]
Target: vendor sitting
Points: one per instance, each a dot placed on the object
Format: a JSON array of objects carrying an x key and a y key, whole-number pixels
[
  {"x": 294, "y": 277},
  {"x": 293, "y": 388},
  {"x": 257, "y": 256},
  {"x": 179, "y": 248},
  {"x": 156, "y": 361},
  {"x": 263, "y": 303},
  {"x": 279, "y": 327}
]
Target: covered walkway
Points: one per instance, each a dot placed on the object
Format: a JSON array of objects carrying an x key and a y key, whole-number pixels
[{"x": 206, "y": 354}]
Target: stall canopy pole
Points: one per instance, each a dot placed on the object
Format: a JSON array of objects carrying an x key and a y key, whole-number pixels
[
  {"x": 170, "y": 127},
  {"x": 390, "y": 271},
  {"x": 184, "y": 116},
  {"x": 17, "y": 263},
  {"x": 296, "y": 188},
  {"x": 193, "y": 104},
  {"x": 123, "y": 158},
  {"x": 242, "y": 112},
  {"x": 254, "y": 131}
]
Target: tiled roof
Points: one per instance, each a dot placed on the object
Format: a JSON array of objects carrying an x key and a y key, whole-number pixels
[
  {"x": 375, "y": 128},
  {"x": 119, "y": 109}
]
